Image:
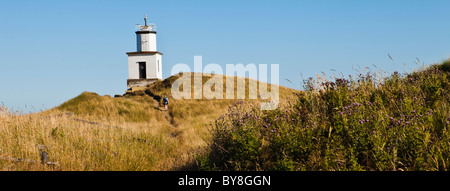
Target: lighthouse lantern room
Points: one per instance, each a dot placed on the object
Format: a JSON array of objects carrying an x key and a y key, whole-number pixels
[{"x": 144, "y": 65}]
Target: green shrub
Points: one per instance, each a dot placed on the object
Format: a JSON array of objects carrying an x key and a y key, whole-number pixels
[{"x": 397, "y": 123}]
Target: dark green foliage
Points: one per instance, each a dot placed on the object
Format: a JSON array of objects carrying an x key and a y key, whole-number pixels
[{"x": 398, "y": 123}]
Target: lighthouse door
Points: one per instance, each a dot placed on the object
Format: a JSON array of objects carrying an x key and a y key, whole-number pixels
[{"x": 142, "y": 70}]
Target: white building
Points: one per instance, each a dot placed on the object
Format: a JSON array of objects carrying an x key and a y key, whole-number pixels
[{"x": 144, "y": 65}]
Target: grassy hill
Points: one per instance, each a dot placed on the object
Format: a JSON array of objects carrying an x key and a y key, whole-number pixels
[
  {"x": 92, "y": 132},
  {"x": 367, "y": 122}
]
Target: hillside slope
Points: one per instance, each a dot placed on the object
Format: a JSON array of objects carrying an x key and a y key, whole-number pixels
[
  {"x": 395, "y": 123},
  {"x": 93, "y": 132}
]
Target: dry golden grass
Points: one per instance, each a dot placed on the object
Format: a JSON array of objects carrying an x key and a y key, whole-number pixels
[{"x": 130, "y": 133}]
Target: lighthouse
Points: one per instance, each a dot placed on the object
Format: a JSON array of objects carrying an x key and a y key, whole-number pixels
[{"x": 144, "y": 65}]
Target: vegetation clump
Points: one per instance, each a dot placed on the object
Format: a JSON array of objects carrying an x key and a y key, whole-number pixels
[{"x": 400, "y": 122}]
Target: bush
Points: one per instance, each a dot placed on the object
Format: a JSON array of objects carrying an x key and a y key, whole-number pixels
[{"x": 398, "y": 123}]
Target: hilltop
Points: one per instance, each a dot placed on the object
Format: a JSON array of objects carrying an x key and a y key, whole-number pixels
[{"x": 129, "y": 132}]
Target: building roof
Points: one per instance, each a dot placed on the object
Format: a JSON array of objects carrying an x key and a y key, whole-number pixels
[
  {"x": 145, "y": 31},
  {"x": 144, "y": 52}
]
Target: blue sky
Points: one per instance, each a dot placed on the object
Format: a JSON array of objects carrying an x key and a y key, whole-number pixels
[{"x": 51, "y": 51}]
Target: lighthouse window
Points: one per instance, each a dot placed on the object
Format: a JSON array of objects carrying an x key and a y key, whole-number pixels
[
  {"x": 142, "y": 70},
  {"x": 158, "y": 65}
]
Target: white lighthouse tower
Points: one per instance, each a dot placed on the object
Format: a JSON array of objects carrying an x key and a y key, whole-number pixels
[{"x": 144, "y": 65}]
